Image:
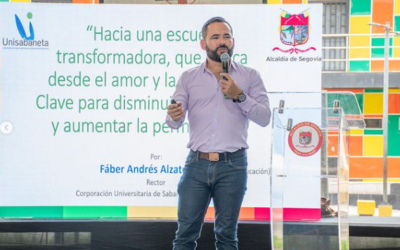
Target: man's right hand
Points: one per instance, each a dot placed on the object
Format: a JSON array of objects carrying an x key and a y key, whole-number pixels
[{"x": 175, "y": 111}]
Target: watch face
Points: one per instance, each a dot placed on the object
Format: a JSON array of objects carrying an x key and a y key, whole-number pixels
[{"x": 242, "y": 97}]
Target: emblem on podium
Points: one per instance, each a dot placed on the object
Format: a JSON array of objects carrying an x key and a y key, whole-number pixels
[{"x": 305, "y": 139}]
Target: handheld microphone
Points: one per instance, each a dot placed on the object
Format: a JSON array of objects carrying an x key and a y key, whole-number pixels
[{"x": 224, "y": 59}]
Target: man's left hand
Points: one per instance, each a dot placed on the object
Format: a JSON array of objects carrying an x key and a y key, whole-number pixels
[{"x": 229, "y": 87}]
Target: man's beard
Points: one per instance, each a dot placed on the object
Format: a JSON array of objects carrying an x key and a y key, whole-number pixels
[{"x": 213, "y": 55}]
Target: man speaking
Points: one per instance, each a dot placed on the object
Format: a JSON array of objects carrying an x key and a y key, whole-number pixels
[{"x": 219, "y": 101}]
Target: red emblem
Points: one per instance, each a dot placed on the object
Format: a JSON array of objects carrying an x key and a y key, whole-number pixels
[
  {"x": 294, "y": 31},
  {"x": 305, "y": 139}
]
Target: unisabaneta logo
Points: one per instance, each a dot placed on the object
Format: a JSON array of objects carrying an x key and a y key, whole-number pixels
[
  {"x": 27, "y": 38},
  {"x": 21, "y": 28}
]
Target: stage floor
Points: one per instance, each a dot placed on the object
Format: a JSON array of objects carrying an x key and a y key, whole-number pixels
[{"x": 137, "y": 234}]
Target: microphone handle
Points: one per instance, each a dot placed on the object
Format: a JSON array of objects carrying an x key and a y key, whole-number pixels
[{"x": 225, "y": 70}]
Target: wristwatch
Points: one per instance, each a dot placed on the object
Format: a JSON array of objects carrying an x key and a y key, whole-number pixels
[{"x": 241, "y": 98}]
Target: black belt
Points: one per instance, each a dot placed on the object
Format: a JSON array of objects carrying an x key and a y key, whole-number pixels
[
  {"x": 212, "y": 156},
  {"x": 215, "y": 156}
]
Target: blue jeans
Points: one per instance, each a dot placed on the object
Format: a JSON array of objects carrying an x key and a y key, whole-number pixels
[{"x": 225, "y": 182}]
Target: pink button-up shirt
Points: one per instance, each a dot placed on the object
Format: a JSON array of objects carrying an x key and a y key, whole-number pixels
[{"x": 218, "y": 124}]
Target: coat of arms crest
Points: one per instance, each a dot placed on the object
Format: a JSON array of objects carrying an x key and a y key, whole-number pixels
[
  {"x": 305, "y": 137},
  {"x": 294, "y": 31}
]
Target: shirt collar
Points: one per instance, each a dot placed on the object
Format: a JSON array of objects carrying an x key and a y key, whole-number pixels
[{"x": 233, "y": 65}]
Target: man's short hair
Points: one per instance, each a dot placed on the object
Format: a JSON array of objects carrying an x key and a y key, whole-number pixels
[{"x": 216, "y": 19}]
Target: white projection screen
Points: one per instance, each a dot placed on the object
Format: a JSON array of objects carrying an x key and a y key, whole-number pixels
[{"x": 85, "y": 89}]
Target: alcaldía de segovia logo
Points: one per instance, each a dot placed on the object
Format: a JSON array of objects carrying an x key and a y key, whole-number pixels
[
  {"x": 27, "y": 37},
  {"x": 294, "y": 31}
]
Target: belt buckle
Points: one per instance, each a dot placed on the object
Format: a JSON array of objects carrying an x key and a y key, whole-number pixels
[{"x": 213, "y": 156}]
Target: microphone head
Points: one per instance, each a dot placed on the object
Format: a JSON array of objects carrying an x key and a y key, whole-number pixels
[{"x": 224, "y": 57}]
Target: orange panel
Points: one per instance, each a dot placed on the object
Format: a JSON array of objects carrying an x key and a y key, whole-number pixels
[
  {"x": 292, "y": 1},
  {"x": 372, "y": 167},
  {"x": 355, "y": 145},
  {"x": 366, "y": 167},
  {"x": 210, "y": 215},
  {"x": 382, "y": 12},
  {"x": 373, "y": 116},
  {"x": 377, "y": 66},
  {"x": 350, "y": 90},
  {"x": 394, "y": 103},
  {"x": 394, "y": 65},
  {"x": 85, "y": 1},
  {"x": 330, "y": 132},
  {"x": 393, "y": 167},
  {"x": 246, "y": 213},
  {"x": 333, "y": 145}
]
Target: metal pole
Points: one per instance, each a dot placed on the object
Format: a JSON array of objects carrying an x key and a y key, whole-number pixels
[{"x": 385, "y": 112}]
